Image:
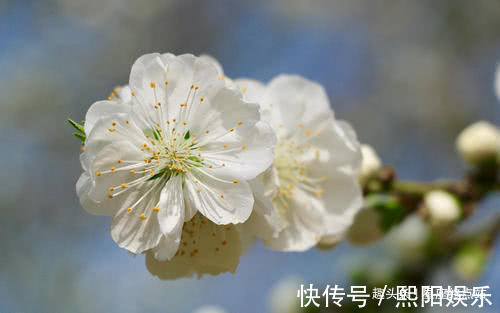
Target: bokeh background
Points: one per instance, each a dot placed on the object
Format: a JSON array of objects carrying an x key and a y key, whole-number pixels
[{"x": 408, "y": 75}]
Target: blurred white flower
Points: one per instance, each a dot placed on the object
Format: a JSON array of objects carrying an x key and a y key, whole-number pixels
[
  {"x": 183, "y": 143},
  {"x": 442, "y": 207},
  {"x": 312, "y": 189},
  {"x": 408, "y": 239},
  {"x": 479, "y": 142},
  {"x": 210, "y": 309},
  {"x": 283, "y": 296},
  {"x": 371, "y": 162}
]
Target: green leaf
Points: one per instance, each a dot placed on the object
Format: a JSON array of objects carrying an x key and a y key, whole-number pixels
[
  {"x": 80, "y": 136},
  {"x": 77, "y": 126},
  {"x": 187, "y": 135}
]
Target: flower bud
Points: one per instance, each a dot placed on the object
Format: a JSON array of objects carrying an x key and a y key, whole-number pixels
[
  {"x": 366, "y": 227},
  {"x": 329, "y": 242},
  {"x": 371, "y": 162},
  {"x": 470, "y": 262},
  {"x": 283, "y": 296},
  {"x": 443, "y": 208},
  {"x": 479, "y": 143}
]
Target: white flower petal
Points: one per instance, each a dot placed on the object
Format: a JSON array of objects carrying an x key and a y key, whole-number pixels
[
  {"x": 102, "y": 109},
  {"x": 137, "y": 230},
  {"x": 222, "y": 202},
  {"x": 205, "y": 248},
  {"x": 265, "y": 220},
  {"x": 171, "y": 207},
  {"x": 294, "y": 100},
  {"x": 245, "y": 156},
  {"x": 252, "y": 90}
]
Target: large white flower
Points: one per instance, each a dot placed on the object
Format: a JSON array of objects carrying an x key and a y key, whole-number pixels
[
  {"x": 175, "y": 149},
  {"x": 312, "y": 188}
]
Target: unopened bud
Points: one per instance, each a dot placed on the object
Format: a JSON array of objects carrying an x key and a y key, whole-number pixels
[
  {"x": 371, "y": 162},
  {"x": 443, "y": 208},
  {"x": 479, "y": 143}
]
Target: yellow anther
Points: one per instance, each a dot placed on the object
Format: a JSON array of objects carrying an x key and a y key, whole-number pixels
[
  {"x": 224, "y": 242},
  {"x": 185, "y": 123},
  {"x": 206, "y": 132},
  {"x": 123, "y": 186},
  {"x": 129, "y": 209},
  {"x": 198, "y": 190},
  {"x": 222, "y": 77},
  {"x": 133, "y": 94},
  {"x": 174, "y": 120},
  {"x": 98, "y": 173},
  {"x": 114, "y": 124},
  {"x": 210, "y": 166},
  {"x": 192, "y": 86},
  {"x": 243, "y": 90},
  {"x": 201, "y": 99},
  {"x": 119, "y": 161},
  {"x": 225, "y": 146},
  {"x": 132, "y": 172},
  {"x": 111, "y": 188},
  {"x": 152, "y": 84},
  {"x": 301, "y": 125},
  {"x": 239, "y": 123},
  {"x": 156, "y": 209},
  {"x": 110, "y": 196},
  {"x": 223, "y": 164},
  {"x": 243, "y": 147},
  {"x": 222, "y": 196},
  {"x": 196, "y": 88},
  {"x": 235, "y": 181},
  {"x": 231, "y": 130},
  {"x": 166, "y": 82},
  {"x": 113, "y": 169},
  {"x": 151, "y": 172},
  {"x": 308, "y": 132},
  {"x": 142, "y": 216},
  {"x": 126, "y": 122}
]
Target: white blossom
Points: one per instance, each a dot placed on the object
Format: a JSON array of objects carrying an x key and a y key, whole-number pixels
[
  {"x": 479, "y": 142},
  {"x": 170, "y": 162},
  {"x": 283, "y": 296},
  {"x": 408, "y": 239},
  {"x": 371, "y": 162},
  {"x": 442, "y": 207},
  {"x": 312, "y": 189}
]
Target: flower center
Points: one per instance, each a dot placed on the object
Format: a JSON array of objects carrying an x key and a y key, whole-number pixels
[
  {"x": 176, "y": 153},
  {"x": 293, "y": 173}
]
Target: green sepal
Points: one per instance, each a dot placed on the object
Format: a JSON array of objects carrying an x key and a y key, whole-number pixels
[
  {"x": 80, "y": 136},
  {"x": 389, "y": 208},
  {"x": 77, "y": 126}
]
